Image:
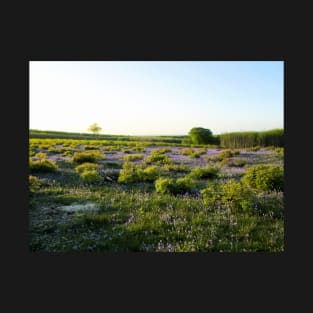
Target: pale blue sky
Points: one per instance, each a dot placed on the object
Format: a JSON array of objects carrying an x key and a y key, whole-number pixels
[{"x": 156, "y": 97}]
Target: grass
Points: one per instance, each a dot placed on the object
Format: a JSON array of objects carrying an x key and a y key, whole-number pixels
[{"x": 157, "y": 206}]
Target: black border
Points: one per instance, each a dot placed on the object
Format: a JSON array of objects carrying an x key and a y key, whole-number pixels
[{"x": 211, "y": 278}]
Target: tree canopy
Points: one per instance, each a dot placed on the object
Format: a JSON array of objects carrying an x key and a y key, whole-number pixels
[
  {"x": 200, "y": 136},
  {"x": 95, "y": 128}
]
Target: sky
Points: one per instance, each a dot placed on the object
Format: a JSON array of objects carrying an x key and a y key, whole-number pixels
[{"x": 156, "y": 97}]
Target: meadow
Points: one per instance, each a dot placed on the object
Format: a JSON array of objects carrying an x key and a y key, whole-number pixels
[{"x": 155, "y": 194}]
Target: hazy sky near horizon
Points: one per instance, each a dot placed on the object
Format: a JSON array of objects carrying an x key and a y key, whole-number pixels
[{"x": 156, "y": 97}]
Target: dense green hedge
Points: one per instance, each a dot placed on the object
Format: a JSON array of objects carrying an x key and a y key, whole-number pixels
[{"x": 273, "y": 137}]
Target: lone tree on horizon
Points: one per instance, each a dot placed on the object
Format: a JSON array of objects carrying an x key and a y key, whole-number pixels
[
  {"x": 95, "y": 128},
  {"x": 200, "y": 135}
]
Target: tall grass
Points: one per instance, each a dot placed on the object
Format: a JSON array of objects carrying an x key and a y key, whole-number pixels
[{"x": 272, "y": 137}]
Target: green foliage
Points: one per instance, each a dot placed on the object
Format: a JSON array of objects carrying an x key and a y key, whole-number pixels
[
  {"x": 95, "y": 128},
  {"x": 41, "y": 155},
  {"x": 156, "y": 157},
  {"x": 202, "y": 173},
  {"x": 251, "y": 139},
  {"x": 176, "y": 168},
  {"x": 43, "y": 166},
  {"x": 133, "y": 157},
  {"x": 187, "y": 151},
  {"x": 91, "y": 177},
  {"x": 199, "y": 135},
  {"x": 265, "y": 177},
  {"x": 132, "y": 173},
  {"x": 171, "y": 186},
  {"x": 87, "y": 156},
  {"x": 233, "y": 163},
  {"x": 34, "y": 183},
  {"x": 87, "y": 167}
]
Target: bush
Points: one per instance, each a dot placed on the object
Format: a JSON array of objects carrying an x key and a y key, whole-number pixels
[
  {"x": 271, "y": 203},
  {"x": 87, "y": 156},
  {"x": 43, "y": 166},
  {"x": 133, "y": 157},
  {"x": 41, "y": 155},
  {"x": 87, "y": 167},
  {"x": 233, "y": 163},
  {"x": 199, "y": 136},
  {"x": 90, "y": 177},
  {"x": 132, "y": 173},
  {"x": 150, "y": 173},
  {"x": 34, "y": 183},
  {"x": 187, "y": 151},
  {"x": 207, "y": 172},
  {"x": 169, "y": 185},
  {"x": 231, "y": 194},
  {"x": 158, "y": 158},
  {"x": 225, "y": 154},
  {"x": 194, "y": 155},
  {"x": 176, "y": 168},
  {"x": 265, "y": 177}
]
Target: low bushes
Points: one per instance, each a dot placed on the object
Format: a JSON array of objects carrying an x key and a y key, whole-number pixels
[
  {"x": 265, "y": 177},
  {"x": 87, "y": 167},
  {"x": 207, "y": 172},
  {"x": 90, "y": 177},
  {"x": 43, "y": 166},
  {"x": 158, "y": 158},
  {"x": 172, "y": 186},
  {"x": 132, "y": 173},
  {"x": 34, "y": 184},
  {"x": 87, "y": 156},
  {"x": 133, "y": 157}
]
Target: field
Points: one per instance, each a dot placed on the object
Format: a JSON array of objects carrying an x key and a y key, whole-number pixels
[{"x": 154, "y": 196}]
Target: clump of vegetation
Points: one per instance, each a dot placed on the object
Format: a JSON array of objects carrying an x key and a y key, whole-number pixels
[
  {"x": 132, "y": 173},
  {"x": 233, "y": 163},
  {"x": 194, "y": 155},
  {"x": 41, "y": 155},
  {"x": 34, "y": 184},
  {"x": 43, "y": 166},
  {"x": 265, "y": 177},
  {"x": 90, "y": 147},
  {"x": 231, "y": 194},
  {"x": 201, "y": 136},
  {"x": 172, "y": 186},
  {"x": 187, "y": 151},
  {"x": 156, "y": 157},
  {"x": 175, "y": 168},
  {"x": 91, "y": 177},
  {"x": 202, "y": 151},
  {"x": 87, "y": 166},
  {"x": 207, "y": 172},
  {"x": 162, "y": 151},
  {"x": 88, "y": 156},
  {"x": 133, "y": 157}
]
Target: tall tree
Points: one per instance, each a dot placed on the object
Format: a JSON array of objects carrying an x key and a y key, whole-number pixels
[{"x": 95, "y": 128}]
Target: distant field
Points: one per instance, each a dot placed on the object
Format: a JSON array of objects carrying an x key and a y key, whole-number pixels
[{"x": 122, "y": 193}]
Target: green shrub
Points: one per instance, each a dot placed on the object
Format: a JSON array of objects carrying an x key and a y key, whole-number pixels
[
  {"x": 87, "y": 156},
  {"x": 43, "y": 166},
  {"x": 41, "y": 155},
  {"x": 194, "y": 155},
  {"x": 234, "y": 195},
  {"x": 207, "y": 172},
  {"x": 132, "y": 173},
  {"x": 225, "y": 154},
  {"x": 87, "y": 167},
  {"x": 90, "y": 176},
  {"x": 202, "y": 151},
  {"x": 187, "y": 151},
  {"x": 233, "y": 163},
  {"x": 150, "y": 173},
  {"x": 158, "y": 158},
  {"x": 175, "y": 168},
  {"x": 271, "y": 203},
  {"x": 265, "y": 177},
  {"x": 133, "y": 157},
  {"x": 169, "y": 185},
  {"x": 34, "y": 183},
  {"x": 89, "y": 147}
]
